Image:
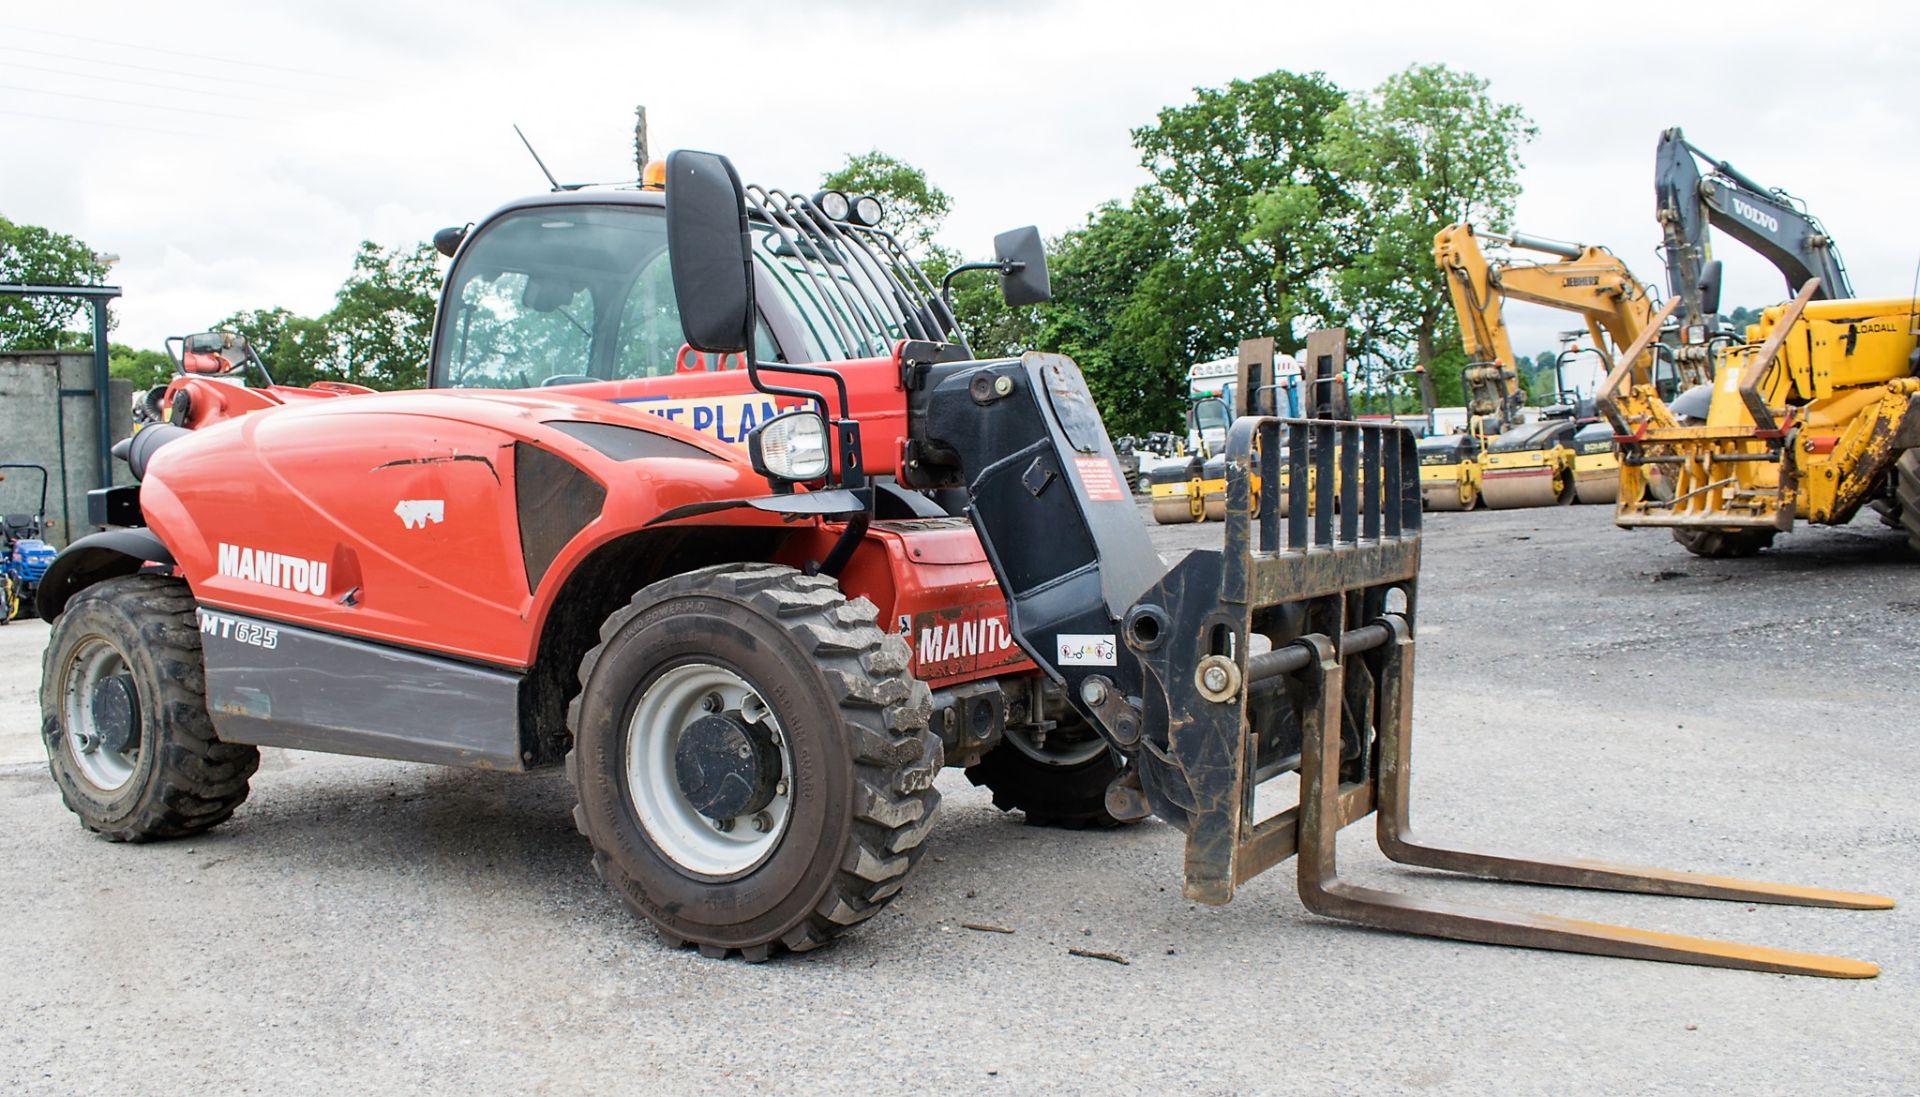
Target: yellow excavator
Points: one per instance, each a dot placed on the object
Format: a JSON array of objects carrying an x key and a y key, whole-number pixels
[{"x": 1542, "y": 465}]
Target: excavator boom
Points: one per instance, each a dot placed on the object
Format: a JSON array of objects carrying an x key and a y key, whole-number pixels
[{"x": 1765, "y": 219}]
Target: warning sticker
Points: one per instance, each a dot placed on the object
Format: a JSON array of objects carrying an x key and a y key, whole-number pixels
[
  {"x": 1097, "y": 475},
  {"x": 1087, "y": 650}
]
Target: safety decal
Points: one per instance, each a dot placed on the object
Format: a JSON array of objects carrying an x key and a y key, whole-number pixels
[
  {"x": 273, "y": 569},
  {"x": 1097, "y": 475},
  {"x": 416, "y": 513},
  {"x": 1087, "y": 650}
]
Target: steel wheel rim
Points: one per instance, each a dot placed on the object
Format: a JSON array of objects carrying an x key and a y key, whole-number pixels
[
  {"x": 694, "y": 843},
  {"x": 93, "y": 661}
]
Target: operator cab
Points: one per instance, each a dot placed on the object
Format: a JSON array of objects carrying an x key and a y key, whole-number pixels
[
  {"x": 1532, "y": 436},
  {"x": 1448, "y": 449},
  {"x": 577, "y": 287}
]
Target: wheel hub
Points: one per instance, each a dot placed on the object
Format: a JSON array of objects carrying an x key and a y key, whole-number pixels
[
  {"x": 116, "y": 720},
  {"x": 726, "y": 767},
  {"x": 709, "y": 771}
]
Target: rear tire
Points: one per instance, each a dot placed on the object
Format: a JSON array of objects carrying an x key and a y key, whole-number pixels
[
  {"x": 1065, "y": 786},
  {"x": 839, "y": 722},
  {"x": 1903, "y": 513},
  {"x": 1723, "y": 544},
  {"x": 124, "y": 715}
]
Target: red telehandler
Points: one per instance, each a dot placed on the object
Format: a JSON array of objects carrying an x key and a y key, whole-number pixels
[{"x": 752, "y": 545}]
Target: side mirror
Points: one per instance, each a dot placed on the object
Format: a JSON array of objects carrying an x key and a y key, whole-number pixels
[
  {"x": 447, "y": 240},
  {"x": 1023, "y": 259},
  {"x": 710, "y": 251},
  {"x": 1710, "y": 291}
]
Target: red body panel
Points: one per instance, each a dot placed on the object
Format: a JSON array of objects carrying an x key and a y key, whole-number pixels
[
  {"x": 393, "y": 516},
  {"x": 931, "y": 583},
  {"x": 215, "y": 401},
  {"x": 321, "y": 483}
]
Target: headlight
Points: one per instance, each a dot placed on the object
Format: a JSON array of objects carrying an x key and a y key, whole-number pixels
[
  {"x": 833, "y": 203},
  {"x": 791, "y": 447},
  {"x": 867, "y": 211}
]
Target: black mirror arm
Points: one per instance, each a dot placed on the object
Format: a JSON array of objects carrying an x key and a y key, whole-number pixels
[{"x": 1001, "y": 267}]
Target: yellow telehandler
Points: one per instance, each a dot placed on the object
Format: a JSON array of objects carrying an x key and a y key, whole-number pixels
[
  {"x": 1815, "y": 415},
  {"x": 1815, "y": 409}
]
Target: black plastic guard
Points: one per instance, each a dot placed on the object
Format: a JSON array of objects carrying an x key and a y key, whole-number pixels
[
  {"x": 92, "y": 559},
  {"x": 1055, "y": 516}
]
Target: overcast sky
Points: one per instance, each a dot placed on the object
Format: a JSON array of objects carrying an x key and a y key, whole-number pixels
[{"x": 309, "y": 129}]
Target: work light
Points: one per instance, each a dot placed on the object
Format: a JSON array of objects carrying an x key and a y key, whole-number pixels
[
  {"x": 833, "y": 203},
  {"x": 790, "y": 447},
  {"x": 867, "y": 211}
]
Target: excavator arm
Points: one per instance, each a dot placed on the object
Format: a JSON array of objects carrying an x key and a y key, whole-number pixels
[
  {"x": 1763, "y": 218},
  {"x": 1590, "y": 282}
]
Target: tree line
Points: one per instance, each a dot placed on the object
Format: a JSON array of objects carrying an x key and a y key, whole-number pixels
[{"x": 1269, "y": 206}]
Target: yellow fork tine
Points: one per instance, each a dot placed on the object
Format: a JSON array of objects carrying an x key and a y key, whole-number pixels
[{"x": 1323, "y": 893}]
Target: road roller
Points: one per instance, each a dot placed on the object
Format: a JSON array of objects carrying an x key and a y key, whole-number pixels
[
  {"x": 1175, "y": 491},
  {"x": 1596, "y": 465},
  {"x": 1213, "y": 489},
  {"x": 1450, "y": 471},
  {"x": 1530, "y": 465}
]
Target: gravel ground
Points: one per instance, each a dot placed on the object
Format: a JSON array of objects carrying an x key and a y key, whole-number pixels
[{"x": 365, "y": 925}]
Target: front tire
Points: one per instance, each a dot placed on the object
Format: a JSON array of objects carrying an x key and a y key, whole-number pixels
[
  {"x": 1723, "y": 544},
  {"x": 1903, "y": 513},
  {"x": 124, "y": 715},
  {"x": 1060, "y": 784},
  {"x": 810, "y": 818}
]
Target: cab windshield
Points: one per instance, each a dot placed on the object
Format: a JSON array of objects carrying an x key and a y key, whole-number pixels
[
  {"x": 1210, "y": 414},
  {"x": 568, "y": 294}
]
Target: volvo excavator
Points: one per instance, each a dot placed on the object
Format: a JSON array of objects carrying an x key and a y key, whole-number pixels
[
  {"x": 1814, "y": 411},
  {"x": 1772, "y": 222},
  {"x": 1537, "y": 468}
]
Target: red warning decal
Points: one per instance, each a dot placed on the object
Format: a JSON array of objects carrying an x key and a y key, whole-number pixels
[{"x": 1103, "y": 484}]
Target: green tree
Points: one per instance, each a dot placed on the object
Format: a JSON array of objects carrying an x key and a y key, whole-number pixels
[
  {"x": 914, "y": 209},
  {"x": 141, "y": 368},
  {"x": 296, "y": 350},
  {"x": 1113, "y": 280},
  {"x": 38, "y": 256},
  {"x": 1258, "y": 219},
  {"x": 1427, "y": 148},
  {"x": 381, "y": 324}
]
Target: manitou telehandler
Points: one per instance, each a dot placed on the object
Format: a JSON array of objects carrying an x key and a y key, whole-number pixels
[{"x": 751, "y": 544}]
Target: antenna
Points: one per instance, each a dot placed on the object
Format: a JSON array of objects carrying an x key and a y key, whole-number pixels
[
  {"x": 640, "y": 142},
  {"x": 536, "y": 159}
]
